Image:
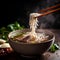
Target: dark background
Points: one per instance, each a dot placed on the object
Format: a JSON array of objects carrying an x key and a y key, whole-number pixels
[{"x": 12, "y": 11}]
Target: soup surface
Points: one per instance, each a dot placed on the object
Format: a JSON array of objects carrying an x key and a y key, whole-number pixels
[{"x": 27, "y": 39}]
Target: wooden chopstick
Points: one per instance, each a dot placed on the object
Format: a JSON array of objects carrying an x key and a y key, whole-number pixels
[
  {"x": 49, "y": 12},
  {"x": 49, "y": 8}
]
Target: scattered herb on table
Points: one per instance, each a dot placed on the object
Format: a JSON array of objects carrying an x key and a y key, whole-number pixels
[{"x": 54, "y": 47}]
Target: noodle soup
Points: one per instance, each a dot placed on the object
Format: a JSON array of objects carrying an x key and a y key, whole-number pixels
[
  {"x": 42, "y": 37},
  {"x": 32, "y": 36},
  {"x": 32, "y": 41}
]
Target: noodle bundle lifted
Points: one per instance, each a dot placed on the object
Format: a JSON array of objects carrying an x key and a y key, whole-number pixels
[{"x": 32, "y": 36}]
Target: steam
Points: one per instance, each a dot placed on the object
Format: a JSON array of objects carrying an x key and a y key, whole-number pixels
[
  {"x": 46, "y": 21},
  {"x": 49, "y": 20}
]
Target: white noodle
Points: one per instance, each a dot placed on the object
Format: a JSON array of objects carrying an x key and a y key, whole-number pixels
[{"x": 33, "y": 22}]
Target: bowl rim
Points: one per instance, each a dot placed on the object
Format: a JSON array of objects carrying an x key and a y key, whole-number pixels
[{"x": 52, "y": 39}]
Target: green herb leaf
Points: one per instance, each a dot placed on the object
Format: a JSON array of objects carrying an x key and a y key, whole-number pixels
[
  {"x": 4, "y": 31},
  {"x": 54, "y": 47}
]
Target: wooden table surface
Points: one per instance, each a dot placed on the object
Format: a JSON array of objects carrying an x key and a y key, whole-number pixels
[{"x": 45, "y": 56}]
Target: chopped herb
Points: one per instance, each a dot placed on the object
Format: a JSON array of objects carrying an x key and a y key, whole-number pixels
[{"x": 54, "y": 47}]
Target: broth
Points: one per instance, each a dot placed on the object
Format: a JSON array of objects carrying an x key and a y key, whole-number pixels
[{"x": 28, "y": 39}]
